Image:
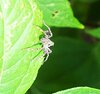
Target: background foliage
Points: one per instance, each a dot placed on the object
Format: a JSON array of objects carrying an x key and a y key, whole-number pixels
[{"x": 75, "y": 60}]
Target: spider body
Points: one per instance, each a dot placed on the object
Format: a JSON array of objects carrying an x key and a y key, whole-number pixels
[{"x": 46, "y": 42}]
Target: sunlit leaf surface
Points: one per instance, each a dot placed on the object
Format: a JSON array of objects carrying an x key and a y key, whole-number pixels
[
  {"x": 79, "y": 90},
  {"x": 18, "y": 30},
  {"x": 58, "y": 13}
]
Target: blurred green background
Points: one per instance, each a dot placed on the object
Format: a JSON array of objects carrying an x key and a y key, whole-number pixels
[{"x": 75, "y": 60}]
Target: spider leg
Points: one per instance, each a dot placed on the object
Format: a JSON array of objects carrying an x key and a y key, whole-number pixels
[
  {"x": 49, "y": 50},
  {"x": 29, "y": 47},
  {"x": 36, "y": 57},
  {"x": 47, "y": 54},
  {"x": 49, "y": 30},
  {"x": 51, "y": 43}
]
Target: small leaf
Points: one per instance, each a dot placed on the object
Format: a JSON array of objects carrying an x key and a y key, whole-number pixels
[
  {"x": 94, "y": 32},
  {"x": 80, "y": 90},
  {"x": 58, "y": 13},
  {"x": 18, "y": 30}
]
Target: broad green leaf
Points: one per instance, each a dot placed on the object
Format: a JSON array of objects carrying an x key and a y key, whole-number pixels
[
  {"x": 19, "y": 65},
  {"x": 94, "y": 32},
  {"x": 58, "y": 13},
  {"x": 79, "y": 90}
]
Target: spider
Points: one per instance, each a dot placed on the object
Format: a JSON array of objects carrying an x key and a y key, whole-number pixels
[{"x": 46, "y": 42}]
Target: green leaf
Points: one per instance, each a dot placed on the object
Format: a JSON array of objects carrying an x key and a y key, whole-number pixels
[
  {"x": 80, "y": 90},
  {"x": 94, "y": 32},
  {"x": 18, "y": 30},
  {"x": 58, "y": 13}
]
